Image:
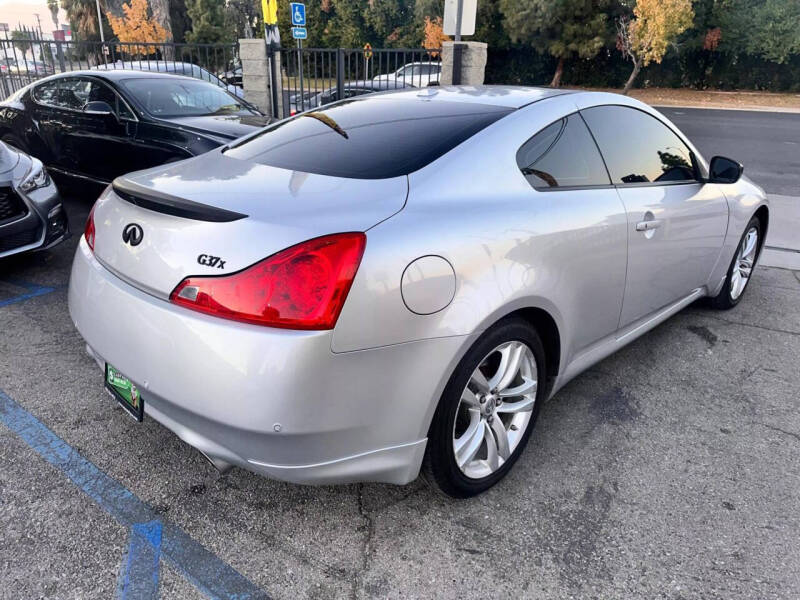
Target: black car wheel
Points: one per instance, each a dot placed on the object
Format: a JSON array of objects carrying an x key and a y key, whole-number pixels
[{"x": 488, "y": 410}]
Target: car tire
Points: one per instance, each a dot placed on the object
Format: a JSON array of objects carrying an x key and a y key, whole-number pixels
[
  {"x": 735, "y": 281},
  {"x": 454, "y": 419}
]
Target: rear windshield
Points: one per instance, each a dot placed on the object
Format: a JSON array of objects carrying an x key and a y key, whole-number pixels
[{"x": 368, "y": 138}]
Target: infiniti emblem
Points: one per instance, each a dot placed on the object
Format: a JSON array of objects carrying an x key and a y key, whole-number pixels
[{"x": 132, "y": 234}]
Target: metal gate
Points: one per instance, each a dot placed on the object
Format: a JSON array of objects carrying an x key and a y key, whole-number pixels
[
  {"x": 312, "y": 77},
  {"x": 23, "y": 61}
]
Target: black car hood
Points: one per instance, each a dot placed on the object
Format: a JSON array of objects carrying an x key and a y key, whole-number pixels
[{"x": 229, "y": 126}]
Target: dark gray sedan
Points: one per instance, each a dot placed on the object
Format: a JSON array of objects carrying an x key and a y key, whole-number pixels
[{"x": 31, "y": 214}]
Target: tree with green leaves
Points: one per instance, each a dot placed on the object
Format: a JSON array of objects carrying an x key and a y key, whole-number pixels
[
  {"x": 82, "y": 15},
  {"x": 22, "y": 41},
  {"x": 766, "y": 28},
  {"x": 208, "y": 22},
  {"x": 564, "y": 29}
]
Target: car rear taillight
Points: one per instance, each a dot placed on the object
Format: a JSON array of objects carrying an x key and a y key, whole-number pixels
[
  {"x": 88, "y": 231},
  {"x": 302, "y": 287}
]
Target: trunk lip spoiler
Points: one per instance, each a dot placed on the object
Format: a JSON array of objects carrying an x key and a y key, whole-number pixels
[{"x": 154, "y": 200}]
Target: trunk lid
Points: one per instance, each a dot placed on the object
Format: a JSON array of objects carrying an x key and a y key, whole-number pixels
[
  {"x": 215, "y": 215},
  {"x": 229, "y": 126}
]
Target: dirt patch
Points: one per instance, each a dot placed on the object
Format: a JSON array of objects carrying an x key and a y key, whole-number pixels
[{"x": 713, "y": 98}]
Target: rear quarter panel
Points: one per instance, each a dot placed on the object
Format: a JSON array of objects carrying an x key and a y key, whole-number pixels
[{"x": 511, "y": 247}]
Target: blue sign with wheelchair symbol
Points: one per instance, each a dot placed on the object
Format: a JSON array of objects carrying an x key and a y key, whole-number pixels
[{"x": 298, "y": 11}]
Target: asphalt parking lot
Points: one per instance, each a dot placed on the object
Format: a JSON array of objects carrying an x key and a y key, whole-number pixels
[{"x": 669, "y": 470}]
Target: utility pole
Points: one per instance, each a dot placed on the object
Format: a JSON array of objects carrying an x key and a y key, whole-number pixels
[
  {"x": 100, "y": 23},
  {"x": 39, "y": 21}
]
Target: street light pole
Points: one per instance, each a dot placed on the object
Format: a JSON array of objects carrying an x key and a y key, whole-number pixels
[{"x": 100, "y": 22}]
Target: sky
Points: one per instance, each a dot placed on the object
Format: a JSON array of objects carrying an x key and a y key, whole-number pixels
[{"x": 22, "y": 12}]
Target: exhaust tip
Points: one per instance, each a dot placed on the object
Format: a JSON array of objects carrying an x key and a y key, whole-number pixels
[{"x": 219, "y": 464}]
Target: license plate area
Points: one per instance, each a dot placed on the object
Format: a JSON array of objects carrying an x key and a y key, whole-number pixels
[{"x": 127, "y": 394}]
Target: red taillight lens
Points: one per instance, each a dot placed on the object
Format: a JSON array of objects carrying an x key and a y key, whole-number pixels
[
  {"x": 88, "y": 231},
  {"x": 302, "y": 287}
]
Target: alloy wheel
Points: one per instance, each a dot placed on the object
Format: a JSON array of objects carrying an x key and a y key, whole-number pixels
[
  {"x": 743, "y": 266},
  {"x": 495, "y": 409}
]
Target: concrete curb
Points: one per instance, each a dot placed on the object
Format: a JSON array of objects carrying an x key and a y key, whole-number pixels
[{"x": 747, "y": 109}]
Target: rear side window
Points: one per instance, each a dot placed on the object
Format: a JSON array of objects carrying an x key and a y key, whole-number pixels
[
  {"x": 637, "y": 147},
  {"x": 562, "y": 155},
  {"x": 368, "y": 138}
]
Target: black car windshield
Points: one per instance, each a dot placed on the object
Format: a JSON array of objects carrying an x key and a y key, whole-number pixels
[
  {"x": 368, "y": 138},
  {"x": 166, "y": 97}
]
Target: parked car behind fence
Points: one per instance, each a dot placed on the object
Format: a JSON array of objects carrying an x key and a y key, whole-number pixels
[{"x": 99, "y": 124}]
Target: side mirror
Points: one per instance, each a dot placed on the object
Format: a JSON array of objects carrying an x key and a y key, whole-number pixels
[
  {"x": 98, "y": 107},
  {"x": 724, "y": 170}
]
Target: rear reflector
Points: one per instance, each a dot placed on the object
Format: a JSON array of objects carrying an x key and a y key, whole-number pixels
[{"x": 302, "y": 287}]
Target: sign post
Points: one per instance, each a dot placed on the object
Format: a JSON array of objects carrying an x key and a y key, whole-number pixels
[
  {"x": 459, "y": 18},
  {"x": 367, "y": 56},
  {"x": 272, "y": 38},
  {"x": 297, "y": 10}
]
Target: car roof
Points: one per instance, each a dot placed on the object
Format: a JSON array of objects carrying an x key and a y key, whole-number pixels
[
  {"x": 379, "y": 84},
  {"x": 508, "y": 96},
  {"x": 116, "y": 74},
  {"x": 145, "y": 64}
]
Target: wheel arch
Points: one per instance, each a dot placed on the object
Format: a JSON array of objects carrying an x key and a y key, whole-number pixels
[
  {"x": 547, "y": 328},
  {"x": 762, "y": 214}
]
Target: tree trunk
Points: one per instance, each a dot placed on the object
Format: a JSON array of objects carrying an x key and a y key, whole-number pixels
[
  {"x": 637, "y": 66},
  {"x": 559, "y": 72}
]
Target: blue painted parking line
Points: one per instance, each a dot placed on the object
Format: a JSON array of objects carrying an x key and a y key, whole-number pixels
[
  {"x": 139, "y": 580},
  {"x": 206, "y": 571},
  {"x": 31, "y": 291}
]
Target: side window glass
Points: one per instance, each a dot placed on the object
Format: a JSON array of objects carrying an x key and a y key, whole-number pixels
[
  {"x": 562, "y": 155},
  {"x": 101, "y": 93},
  {"x": 123, "y": 111},
  {"x": 72, "y": 93},
  {"x": 637, "y": 147},
  {"x": 46, "y": 93}
]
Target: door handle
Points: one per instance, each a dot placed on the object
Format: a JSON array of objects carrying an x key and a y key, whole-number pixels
[{"x": 648, "y": 225}]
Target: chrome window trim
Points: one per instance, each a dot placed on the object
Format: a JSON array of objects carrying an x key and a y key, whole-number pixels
[
  {"x": 83, "y": 112},
  {"x": 622, "y": 186}
]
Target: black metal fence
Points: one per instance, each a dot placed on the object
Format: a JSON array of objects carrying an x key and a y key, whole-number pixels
[
  {"x": 23, "y": 61},
  {"x": 312, "y": 77},
  {"x": 309, "y": 77}
]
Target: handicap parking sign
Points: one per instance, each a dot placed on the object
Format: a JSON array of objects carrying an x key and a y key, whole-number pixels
[{"x": 298, "y": 11}]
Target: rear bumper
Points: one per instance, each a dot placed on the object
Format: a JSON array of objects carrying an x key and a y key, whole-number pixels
[{"x": 276, "y": 402}]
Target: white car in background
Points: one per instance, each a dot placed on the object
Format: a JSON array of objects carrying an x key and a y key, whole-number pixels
[
  {"x": 177, "y": 68},
  {"x": 416, "y": 74}
]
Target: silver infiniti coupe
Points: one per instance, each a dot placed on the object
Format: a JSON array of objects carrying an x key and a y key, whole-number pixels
[{"x": 399, "y": 281}]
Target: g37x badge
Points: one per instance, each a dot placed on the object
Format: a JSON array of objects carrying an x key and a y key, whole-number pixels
[{"x": 211, "y": 261}]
